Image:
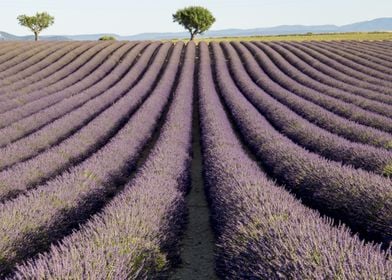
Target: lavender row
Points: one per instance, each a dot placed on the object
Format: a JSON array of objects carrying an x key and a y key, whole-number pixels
[
  {"x": 311, "y": 67},
  {"x": 86, "y": 141},
  {"x": 364, "y": 52},
  {"x": 339, "y": 71},
  {"x": 262, "y": 231},
  {"x": 365, "y": 100},
  {"x": 12, "y": 68},
  {"x": 15, "y": 48},
  {"x": 37, "y": 62},
  {"x": 327, "y": 72},
  {"x": 370, "y": 49},
  {"x": 294, "y": 126},
  {"x": 385, "y": 44},
  {"x": 338, "y": 107},
  {"x": 42, "y": 65},
  {"x": 114, "y": 239},
  {"x": 74, "y": 104},
  {"x": 306, "y": 109},
  {"x": 18, "y": 55},
  {"x": 359, "y": 198},
  {"x": 359, "y": 71},
  {"x": 343, "y": 109},
  {"x": 31, "y": 222},
  {"x": 105, "y": 62},
  {"x": 375, "y": 48},
  {"x": 6, "y": 47},
  {"x": 382, "y": 43},
  {"x": 65, "y": 126},
  {"x": 54, "y": 78},
  {"x": 368, "y": 65}
]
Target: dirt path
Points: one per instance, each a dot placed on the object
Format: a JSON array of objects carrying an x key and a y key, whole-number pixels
[{"x": 197, "y": 246}]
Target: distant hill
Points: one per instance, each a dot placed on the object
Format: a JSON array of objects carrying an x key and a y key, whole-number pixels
[
  {"x": 8, "y": 36},
  {"x": 379, "y": 24}
]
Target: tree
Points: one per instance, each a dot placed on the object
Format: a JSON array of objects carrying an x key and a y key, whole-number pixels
[
  {"x": 36, "y": 23},
  {"x": 107, "y": 38},
  {"x": 195, "y": 19}
]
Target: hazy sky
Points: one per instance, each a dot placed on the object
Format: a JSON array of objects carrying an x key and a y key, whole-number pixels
[{"x": 127, "y": 17}]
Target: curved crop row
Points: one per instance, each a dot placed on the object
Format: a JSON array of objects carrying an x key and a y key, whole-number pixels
[
  {"x": 263, "y": 232},
  {"x": 343, "y": 109},
  {"x": 368, "y": 65},
  {"x": 23, "y": 79},
  {"x": 34, "y": 105},
  {"x": 47, "y": 80},
  {"x": 8, "y": 46},
  {"x": 361, "y": 199},
  {"x": 380, "y": 46},
  {"x": 360, "y": 71},
  {"x": 49, "y": 77},
  {"x": 295, "y": 127},
  {"x": 364, "y": 52},
  {"x": 340, "y": 72},
  {"x": 18, "y": 55},
  {"x": 363, "y": 99},
  {"x": 53, "y": 209},
  {"x": 69, "y": 105},
  {"x": 28, "y": 173},
  {"x": 76, "y": 119},
  {"x": 36, "y": 62},
  {"x": 154, "y": 199},
  {"x": 308, "y": 110},
  {"x": 309, "y": 67},
  {"x": 370, "y": 49},
  {"x": 60, "y": 58},
  {"x": 340, "y": 77}
]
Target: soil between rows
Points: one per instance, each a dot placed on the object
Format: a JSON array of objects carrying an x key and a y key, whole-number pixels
[{"x": 197, "y": 245}]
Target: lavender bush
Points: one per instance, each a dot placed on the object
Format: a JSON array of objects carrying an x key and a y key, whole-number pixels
[
  {"x": 364, "y": 52},
  {"x": 38, "y": 62},
  {"x": 52, "y": 79},
  {"x": 312, "y": 112},
  {"x": 367, "y": 100},
  {"x": 37, "y": 102},
  {"x": 87, "y": 140},
  {"x": 339, "y": 71},
  {"x": 58, "y": 130},
  {"x": 263, "y": 232},
  {"x": 114, "y": 239},
  {"x": 358, "y": 198},
  {"x": 309, "y": 66},
  {"x": 380, "y": 73},
  {"x": 292, "y": 125},
  {"x": 11, "y": 46},
  {"x": 47, "y": 79},
  {"x": 343, "y": 109},
  {"x": 20, "y": 54},
  {"x": 114, "y": 85},
  {"x": 375, "y": 48},
  {"x": 52, "y": 209},
  {"x": 33, "y": 76}
]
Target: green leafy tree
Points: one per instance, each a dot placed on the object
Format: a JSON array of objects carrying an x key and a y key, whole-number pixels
[
  {"x": 107, "y": 38},
  {"x": 195, "y": 19},
  {"x": 36, "y": 23}
]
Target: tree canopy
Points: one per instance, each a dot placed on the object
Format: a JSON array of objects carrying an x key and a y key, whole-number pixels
[
  {"x": 107, "y": 38},
  {"x": 195, "y": 19},
  {"x": 36, "y": 23}
]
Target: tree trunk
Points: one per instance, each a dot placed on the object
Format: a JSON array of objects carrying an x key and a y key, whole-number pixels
[
  {"x": 192, "y": 36},
  {"x": 36, "y": 36}
]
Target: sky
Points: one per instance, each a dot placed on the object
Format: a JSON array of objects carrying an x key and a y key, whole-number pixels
[{"x": 128, "y": 17}]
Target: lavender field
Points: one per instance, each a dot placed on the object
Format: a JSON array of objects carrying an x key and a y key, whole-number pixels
[{"x": 109, "y": 151}]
